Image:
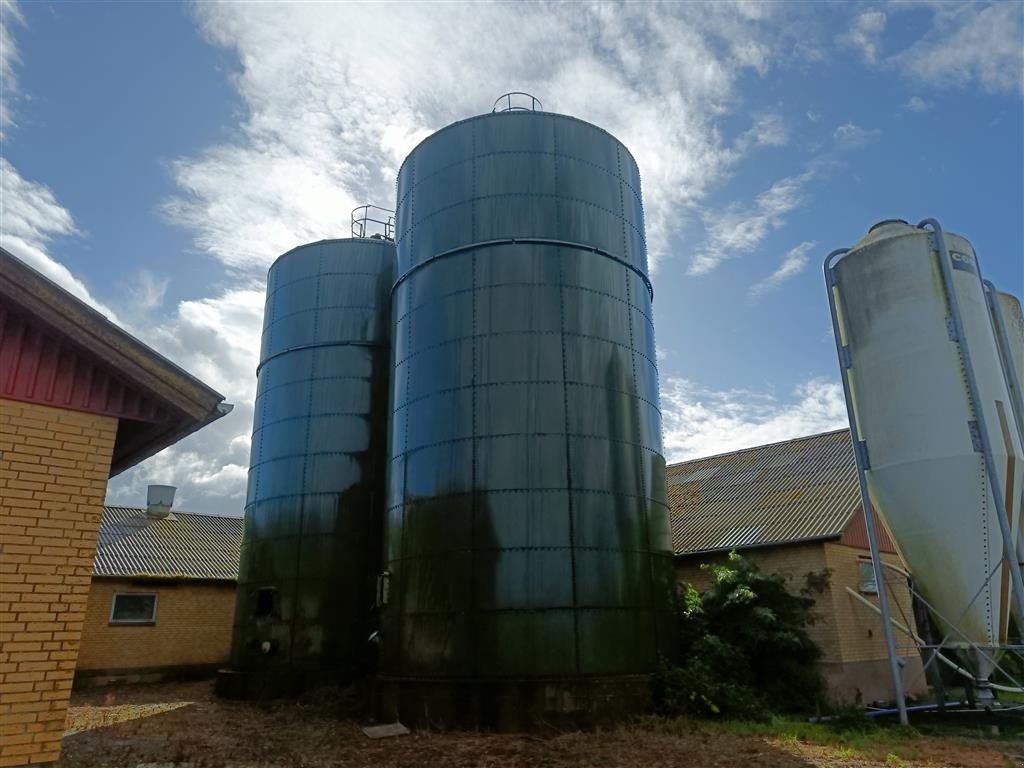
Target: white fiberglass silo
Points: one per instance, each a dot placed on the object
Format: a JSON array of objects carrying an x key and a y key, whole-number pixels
[{"x": 931, "y": 408}]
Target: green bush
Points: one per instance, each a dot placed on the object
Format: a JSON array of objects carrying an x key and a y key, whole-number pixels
[{"x": 744, "y": 648}]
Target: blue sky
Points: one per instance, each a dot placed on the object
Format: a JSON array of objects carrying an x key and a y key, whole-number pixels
[{"x": 158, "y": 156}]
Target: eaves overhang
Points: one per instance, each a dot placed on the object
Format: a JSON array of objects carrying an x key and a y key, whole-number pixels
[{"x": 59, "y": 351}]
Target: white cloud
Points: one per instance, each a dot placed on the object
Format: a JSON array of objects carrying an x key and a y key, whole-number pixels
[
  {"x": 9, "y": 14},
  {"x": 851, "y": 136},
  {"x": 205, "y": 484},
  {"x": 917, "y": 104},
  {"x": 30, "y": 218},
  {"x": 144, "y": 293},
  {"x": 793, "y": 263},
  {"x": 769, "y": 130},
  {"x": 738, "y": 230},
  {"x": 865, "y": 35},
  {"x": 217, "y": 340},
  {"x": 970, "y": 43},
  {"x": 701, "y": 422},
  {"x": 965, "y": 44},
  {"x": 328, "y": 124}
]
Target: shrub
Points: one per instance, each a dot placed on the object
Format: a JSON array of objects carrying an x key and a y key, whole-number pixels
[{"x": 744, "y": 648}]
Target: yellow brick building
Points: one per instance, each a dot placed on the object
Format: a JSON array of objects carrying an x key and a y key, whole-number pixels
[
  {"x": 793, "y": 508},
  {"x": 80, "y": 401},
  {"x": 162, "y": 597}
]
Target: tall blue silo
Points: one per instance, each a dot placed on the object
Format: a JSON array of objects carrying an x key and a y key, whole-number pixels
[
  {"x": 313, "y": 515},
  {"x": 527, "y": 545}
]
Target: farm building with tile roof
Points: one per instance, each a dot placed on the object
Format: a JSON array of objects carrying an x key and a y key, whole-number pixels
[
  {"x": 794, "y": 508},
  {"x": 162, "y": 598}
]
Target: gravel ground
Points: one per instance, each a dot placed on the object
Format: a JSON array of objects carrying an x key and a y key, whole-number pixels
[{"x": 174, "y": 726}]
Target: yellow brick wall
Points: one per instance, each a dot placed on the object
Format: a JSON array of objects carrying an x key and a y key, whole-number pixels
[
  {"x": 793, "y": 563},
  {"x": 54, "y": 466},
  {"x": 859, "y": 629},
  {"x": 854, "y": 659},
  {"x": 193, "y": 626}
]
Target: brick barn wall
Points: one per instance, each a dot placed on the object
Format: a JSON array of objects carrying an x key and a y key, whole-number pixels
[
  {"x": 192, "y": 628},
  {"x": 863, "y": 674},
  {"x": 860, "y": 628},
  {"x": 54, "y": 466}
]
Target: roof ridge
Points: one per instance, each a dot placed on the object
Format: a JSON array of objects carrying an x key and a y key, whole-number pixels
[
  {"x": 142, "y": 510},
  {"x": 755, "y": 448}
]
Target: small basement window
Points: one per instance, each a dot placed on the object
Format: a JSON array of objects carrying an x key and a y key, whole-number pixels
[
  {"x": 133, "y": 608},
  {"x": 868, "y": 585}
]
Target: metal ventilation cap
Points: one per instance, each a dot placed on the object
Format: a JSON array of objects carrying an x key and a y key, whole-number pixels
[
  {"x": 373, "y": 221},
  {"x": 159, "y": 499},
  {"x": 517, "y": 101}
]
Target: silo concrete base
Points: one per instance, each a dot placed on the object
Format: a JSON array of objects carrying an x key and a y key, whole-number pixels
[{"x": 512, "y": 705}]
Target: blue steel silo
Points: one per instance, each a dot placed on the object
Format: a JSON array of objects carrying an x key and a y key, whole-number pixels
[
  {"x": 314, "y": 509},
  {"x": 527, "y": 547}
]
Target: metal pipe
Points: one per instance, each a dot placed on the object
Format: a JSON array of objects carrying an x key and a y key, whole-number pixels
[
  {"x": 869, "y": 518},
  {"x": 915, "y": 708},
  {"x": 953, "y": 628},
  {"x": 921, "y": 642},
  {"x": 1009, "y": 545}
]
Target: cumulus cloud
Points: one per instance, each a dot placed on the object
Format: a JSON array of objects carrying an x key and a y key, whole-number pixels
[
  {"x": 701, "y": 422},
  {"x": 865, "y": 35},
  {"x": 968, "y": 44},
  {"x": 793, "y": 263},
  {"x": 206, "y": 485},
  {"x": 217, "y": 340}
]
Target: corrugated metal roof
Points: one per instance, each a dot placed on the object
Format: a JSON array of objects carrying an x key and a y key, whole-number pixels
[
  {"x": 181, "y": 545},
  {"x": 780, "y": 493}
]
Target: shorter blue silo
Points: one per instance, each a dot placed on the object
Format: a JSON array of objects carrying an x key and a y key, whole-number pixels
[{"x": 315, "y": 496}]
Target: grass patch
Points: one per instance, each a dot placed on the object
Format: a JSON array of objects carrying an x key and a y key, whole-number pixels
[{"x": 848, "y": 735}]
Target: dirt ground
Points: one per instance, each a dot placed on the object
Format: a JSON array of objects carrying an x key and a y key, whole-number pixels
[{"x": 185, "y": 726}]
